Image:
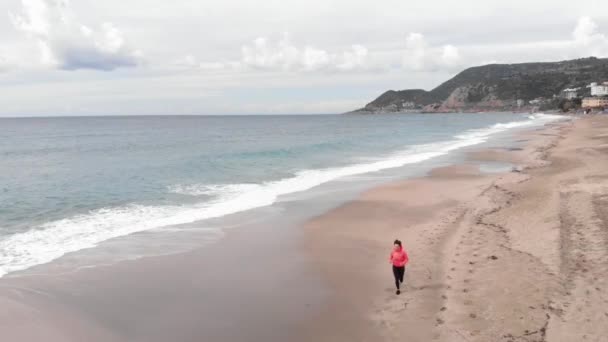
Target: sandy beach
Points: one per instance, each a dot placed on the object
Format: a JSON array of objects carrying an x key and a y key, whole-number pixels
[
  {"x": 515, "y": 256},
  {"x": 520, "y": 256}
]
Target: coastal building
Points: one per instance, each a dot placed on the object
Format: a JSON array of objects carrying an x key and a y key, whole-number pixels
[
  {"x": 408, "y": 105},
  {"x": 599, "y": 89},
  {"x": 570, "y": 93},
  {"x": 538, "y": 101},
  {"x": 595, "y": 102}
]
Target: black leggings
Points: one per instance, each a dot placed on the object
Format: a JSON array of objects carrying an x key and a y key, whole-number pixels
[{"x": 398, "y": 272}]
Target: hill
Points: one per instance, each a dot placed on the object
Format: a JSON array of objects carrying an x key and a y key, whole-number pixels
[{"x": 497, "y": 87}]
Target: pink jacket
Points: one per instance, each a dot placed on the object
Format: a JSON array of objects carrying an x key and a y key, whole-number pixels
[{"x": 399, "y": 257}]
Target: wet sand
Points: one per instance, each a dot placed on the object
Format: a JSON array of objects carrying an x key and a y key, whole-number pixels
[
  {"x": 254, "y": 285},
  {"x": 512, "y": 256},
  {"x": 516, "y": 256}
]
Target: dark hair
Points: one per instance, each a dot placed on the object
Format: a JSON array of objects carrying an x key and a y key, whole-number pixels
[{"x": 397, "y": 242}]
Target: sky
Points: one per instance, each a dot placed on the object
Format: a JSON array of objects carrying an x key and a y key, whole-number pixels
[{"x": 191, "y": 57}]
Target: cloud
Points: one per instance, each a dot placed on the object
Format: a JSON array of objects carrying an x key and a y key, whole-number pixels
[
  {"x": 354, "y": 59},
  {"x": 265, "y": 55},
  {"x": 284, "y": 55},
  {"x": 585, "y": 31},
  {"x": 191, "y": 62},
  {"x": 587, "y": 38},
  {"x": 187, "y": 61},
  {"x": 67, "y": 44},
  {"x": 450, "y": 55},
  {"x": 420, "y": 56}
]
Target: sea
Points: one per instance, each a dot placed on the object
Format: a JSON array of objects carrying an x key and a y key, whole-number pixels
[{"x": 69, "y": 184}]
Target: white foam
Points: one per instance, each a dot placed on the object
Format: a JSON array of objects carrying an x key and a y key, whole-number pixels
[
  {"x": 53, "y": 239},
  {"x": 212, "y": 190}
]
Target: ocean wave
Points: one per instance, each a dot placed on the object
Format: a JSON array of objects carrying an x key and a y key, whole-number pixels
[{"x": 51, "y": 240}]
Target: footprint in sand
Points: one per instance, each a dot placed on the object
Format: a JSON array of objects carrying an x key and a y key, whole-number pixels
[
  {"x": 443, "y": 308},
  {"x": 468, "y": 302}
]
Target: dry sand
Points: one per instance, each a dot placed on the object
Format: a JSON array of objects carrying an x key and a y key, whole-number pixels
[{"x": 521, "y": 256}]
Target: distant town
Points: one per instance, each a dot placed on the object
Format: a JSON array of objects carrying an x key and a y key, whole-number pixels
[{"x": 598, "y": 99}]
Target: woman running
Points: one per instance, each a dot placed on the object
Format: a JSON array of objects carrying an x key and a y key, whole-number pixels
[{"x": 399, "y": 259}]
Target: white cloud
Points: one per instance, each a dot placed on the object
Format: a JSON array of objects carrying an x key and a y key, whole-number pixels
[
  {"x": 265, "y": 55},
  {"x": 420, "y": 56},
  {"x": 585, "y": 30},
  {"x": 314, "y": 59},
  {"x": 284, "y": 55},
  {"x": 188, "y": 61},
  {"x": 587, "y": 38},
  {"x": 354, "y": 59},
  {"x": 191, "y": 62},
  {"x": 67, "y": 44},
  {"x": 450, "y": 55}
]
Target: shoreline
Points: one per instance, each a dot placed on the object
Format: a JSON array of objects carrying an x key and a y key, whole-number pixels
[
  {"x": 256, "y": 292},
  {"x": 420, "y": 111},
  {"x": 64, "y": 235}
]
